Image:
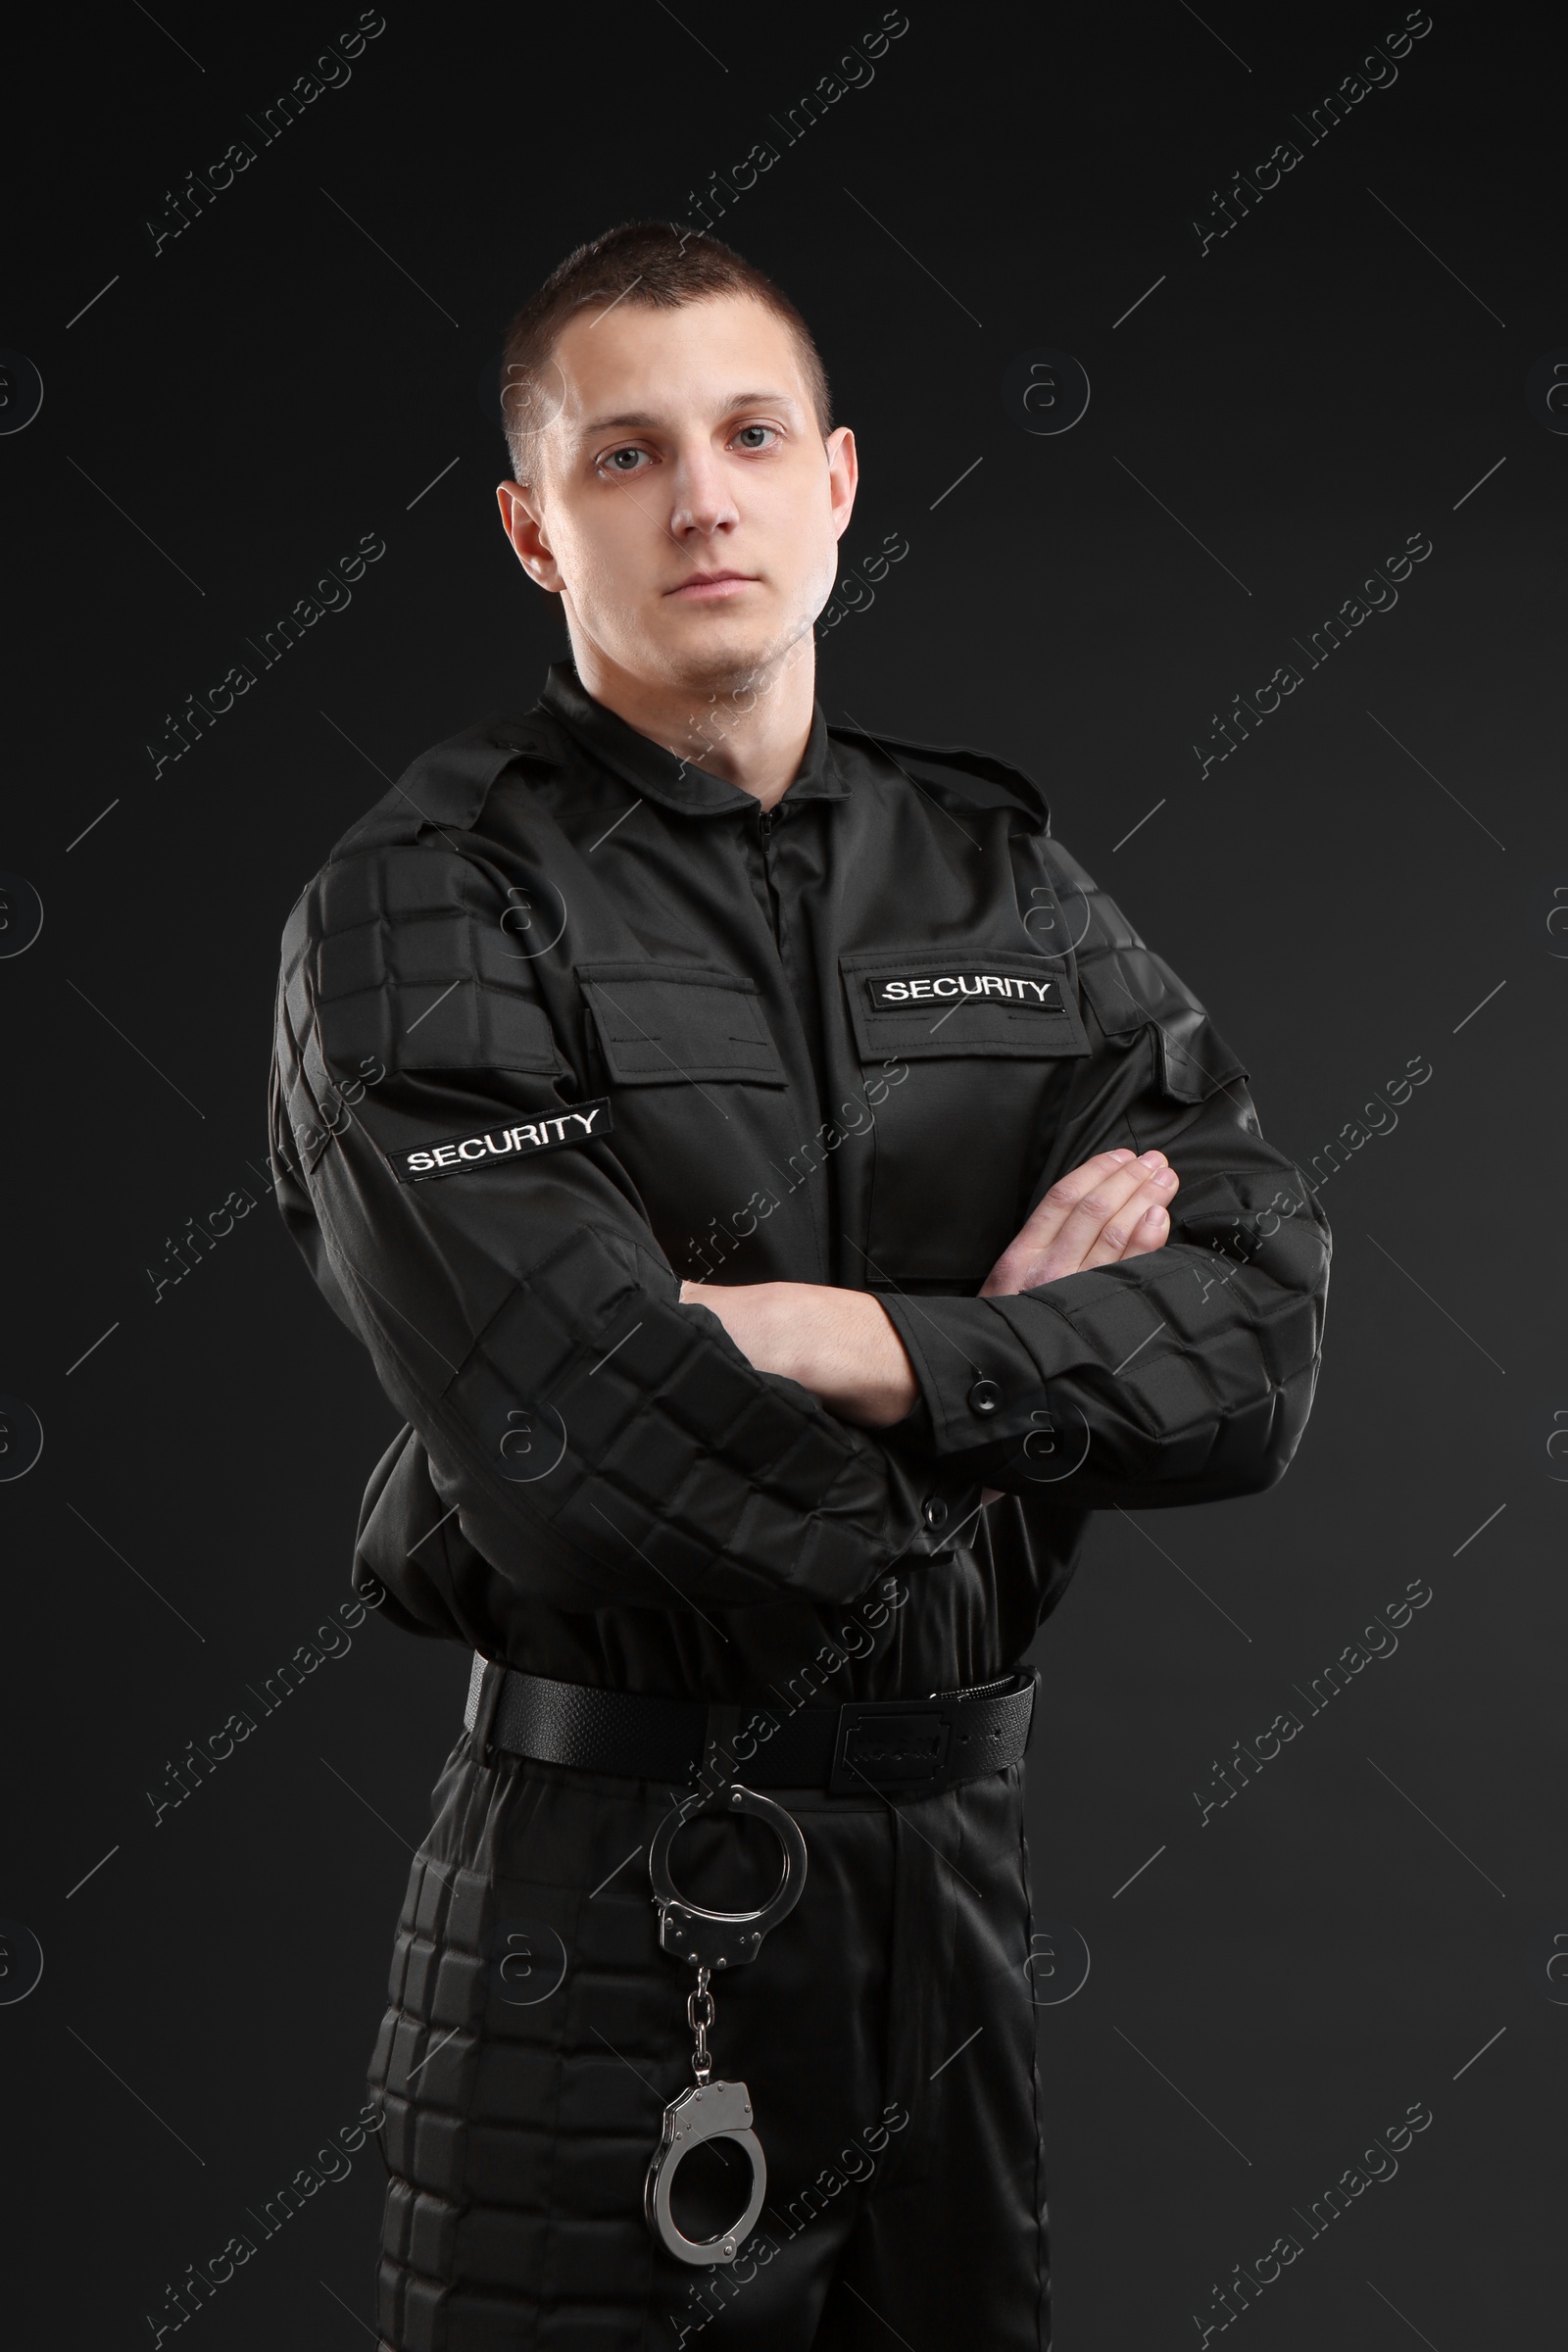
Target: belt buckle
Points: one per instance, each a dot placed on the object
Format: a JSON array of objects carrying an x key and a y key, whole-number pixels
[{"x": 888, "y": 1745}]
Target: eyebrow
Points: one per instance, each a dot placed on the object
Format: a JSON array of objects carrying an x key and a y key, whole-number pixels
[{"x": 641, "y": 419}]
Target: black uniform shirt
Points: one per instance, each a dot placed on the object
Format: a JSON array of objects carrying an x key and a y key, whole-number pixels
[{"x": 566, "y": 1019}]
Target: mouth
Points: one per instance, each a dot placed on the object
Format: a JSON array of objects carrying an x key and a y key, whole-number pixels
[{"x": 705, "y": 587}]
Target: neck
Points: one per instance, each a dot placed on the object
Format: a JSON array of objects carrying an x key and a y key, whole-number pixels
[{"x": 752, "y": 730}]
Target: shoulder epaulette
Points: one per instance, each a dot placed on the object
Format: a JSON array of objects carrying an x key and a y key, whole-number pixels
[
  {"x": 446, "y": 786},
  {"x": 943, "y": 763}
]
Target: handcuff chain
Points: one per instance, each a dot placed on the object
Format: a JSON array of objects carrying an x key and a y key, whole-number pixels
[{"x": 699, "y": 2018}]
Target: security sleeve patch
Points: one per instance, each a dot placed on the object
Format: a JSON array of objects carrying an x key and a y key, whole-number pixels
[{"x": 579, "y": 1123}]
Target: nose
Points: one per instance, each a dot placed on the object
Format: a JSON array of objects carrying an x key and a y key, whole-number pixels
[{"x": 702, "y": 501}]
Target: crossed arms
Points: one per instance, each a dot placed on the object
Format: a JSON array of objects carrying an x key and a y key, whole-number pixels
[{"x": 685, "y": 1460}]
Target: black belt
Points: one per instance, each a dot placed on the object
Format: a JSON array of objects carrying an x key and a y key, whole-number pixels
[{"x": 893, "y": 1746}]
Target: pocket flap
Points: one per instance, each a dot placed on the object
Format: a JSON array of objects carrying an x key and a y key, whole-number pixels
[
  {"x": 660, "y": 1024},
  {"x": 924, "y": 1002}
]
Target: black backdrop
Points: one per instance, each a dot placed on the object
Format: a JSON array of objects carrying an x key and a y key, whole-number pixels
[{"x": 1366, "y": 881}]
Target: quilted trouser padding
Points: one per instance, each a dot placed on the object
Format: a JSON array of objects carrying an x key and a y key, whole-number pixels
[{"x": 535, "y": 2031}]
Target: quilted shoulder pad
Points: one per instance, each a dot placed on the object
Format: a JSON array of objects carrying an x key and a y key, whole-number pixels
[{"x": 411, "y": 964}]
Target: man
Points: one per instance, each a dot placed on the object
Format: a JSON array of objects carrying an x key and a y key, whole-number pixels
[{"x": 784, "y": 1198}]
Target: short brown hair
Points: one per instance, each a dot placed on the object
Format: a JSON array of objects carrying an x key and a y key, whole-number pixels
[{"x": 643, "y": 262}]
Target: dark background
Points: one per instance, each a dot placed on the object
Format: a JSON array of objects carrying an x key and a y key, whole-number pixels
[{"x": 1278, "y": 416}]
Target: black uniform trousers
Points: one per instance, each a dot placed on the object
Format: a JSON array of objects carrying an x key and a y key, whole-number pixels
[{"x": 886, "y": 2033}]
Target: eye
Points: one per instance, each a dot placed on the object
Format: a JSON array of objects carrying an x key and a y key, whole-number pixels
[
  {"x": 619, "y": 463},
  {"x": 749, "y": 437}
]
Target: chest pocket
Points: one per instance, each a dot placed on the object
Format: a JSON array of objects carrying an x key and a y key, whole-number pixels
[
  {"x": 988, "y": 1038},
  {"x": 667, "y": 1024},
  {"x": 698, "y": 1092}
]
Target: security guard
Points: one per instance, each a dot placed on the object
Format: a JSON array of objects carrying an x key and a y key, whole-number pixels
[{"x": 784, "y": 1198}]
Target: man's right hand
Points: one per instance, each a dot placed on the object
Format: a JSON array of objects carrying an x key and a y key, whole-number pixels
[{"x": 1115, "y": 1206}]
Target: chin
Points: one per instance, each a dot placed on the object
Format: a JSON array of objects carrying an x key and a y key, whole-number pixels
[
  {"x": 714, "y": 657},
  {"x": 725, "y": 652}
]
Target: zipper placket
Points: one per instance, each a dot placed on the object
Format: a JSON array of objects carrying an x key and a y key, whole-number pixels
[
  {"x": 813, "y": 1074},
  {"x": 765, "y": 842}
]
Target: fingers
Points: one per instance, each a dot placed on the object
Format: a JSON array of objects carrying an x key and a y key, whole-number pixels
[
  {"x": 1143, "y": 1215},
  {"x": 1151, "y": 1232},
  {"x": 1105, "y": 1214},
  {"x": 1114, "y": 1207},
  {"x": 1047, "y": 1219}
]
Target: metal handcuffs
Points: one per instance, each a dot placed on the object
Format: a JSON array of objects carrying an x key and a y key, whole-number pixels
[{"x": 710, "y": 1941}]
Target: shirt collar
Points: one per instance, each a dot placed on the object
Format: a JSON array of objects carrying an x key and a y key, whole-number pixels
[{"x": 662, "y": 775}]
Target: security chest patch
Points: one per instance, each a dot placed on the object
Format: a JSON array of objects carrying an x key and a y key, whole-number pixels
[
  {"x": 581, "y": 1123},
  {"x": 892, "y": 995}
]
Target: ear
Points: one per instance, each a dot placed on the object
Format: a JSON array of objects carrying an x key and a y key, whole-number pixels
[
  {"x": 843, "y": 475},
  {"x": 522, "y": 521}
]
